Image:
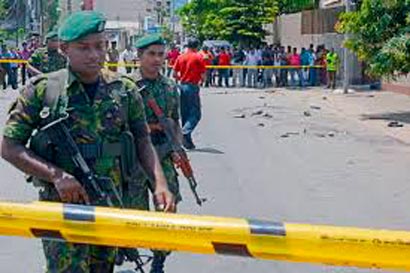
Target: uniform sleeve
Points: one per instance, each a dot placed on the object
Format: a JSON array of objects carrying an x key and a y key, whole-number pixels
[
  {"x": 35, "y": 60},
  {"x": 136, "y": 113},
  {"x": 177, "y": 65},
  {"x": 175, "y": 103},
  {"x": 24, "y": 117}
]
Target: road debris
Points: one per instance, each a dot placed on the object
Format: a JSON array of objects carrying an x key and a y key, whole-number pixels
[
  {"x": 257, "y": 113},
  {"x": 240, "y": 116},
  {"x": 395, "y": 124},
  {"x": 307, "y": 114}
]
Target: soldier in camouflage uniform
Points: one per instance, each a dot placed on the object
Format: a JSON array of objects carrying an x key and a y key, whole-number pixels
[
  {"x": 92, "y": 98},
  {"x": 47, "y": 59},
  {"x": 151, "y": 52}
]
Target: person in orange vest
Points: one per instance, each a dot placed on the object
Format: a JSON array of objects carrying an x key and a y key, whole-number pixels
[{"x": 208, "y": 58}]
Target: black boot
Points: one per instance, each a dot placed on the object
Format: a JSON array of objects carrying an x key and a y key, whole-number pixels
[
  {"x": 157, "y": 265},
  {"x": 188, "y": 143}
]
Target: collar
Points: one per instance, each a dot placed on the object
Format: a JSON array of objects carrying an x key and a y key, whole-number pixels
[
  {"x": 137, "y": 76},
  {"x": 106, "y": 75}
]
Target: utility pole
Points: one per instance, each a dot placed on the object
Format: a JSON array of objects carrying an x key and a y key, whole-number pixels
[
  {"x": 16, "y": 14},
  {"x": 347, "y": 57}
]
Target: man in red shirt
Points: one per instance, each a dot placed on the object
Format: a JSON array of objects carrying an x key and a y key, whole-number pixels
[
  {"x": 189, "y": 70},
  {"x": 172, "y": 56},
  {"x": 225, "y": 60},
  {"x": 295, "y": 61}
]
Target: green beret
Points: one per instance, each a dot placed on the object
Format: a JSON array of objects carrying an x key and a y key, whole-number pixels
[
  {"x": 52, "y": 35},
  {"x": 81, "y": 24},
  {"x": 152, "y": 39}
]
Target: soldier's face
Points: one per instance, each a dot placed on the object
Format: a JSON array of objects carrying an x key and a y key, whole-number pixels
[
  {"x": 153, "y": 58},
  {"x": 86, "y": 55},
  {"x": 53, "y": 44}
]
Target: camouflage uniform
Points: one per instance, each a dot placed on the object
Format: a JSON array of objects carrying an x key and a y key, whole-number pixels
[
  {"x": 166, "y": 95},
  {"x": 47, "y": 60},
  {"x": 100, "y": 120}
]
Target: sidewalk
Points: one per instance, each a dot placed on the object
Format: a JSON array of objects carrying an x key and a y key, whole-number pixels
[{"x": 373, "y": 109}]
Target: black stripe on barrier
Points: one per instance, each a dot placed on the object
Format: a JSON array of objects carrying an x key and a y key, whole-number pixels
[
  {"x": 47, "y": 234},
  {"x": 267, "y": 228},
  {"x": 79, "y": 213},
  {"x": 231, "y": 249}
]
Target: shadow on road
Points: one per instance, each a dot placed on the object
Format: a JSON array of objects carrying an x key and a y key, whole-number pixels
[
  {"x": 208, "y": 151},
  {"x": 403, "y": 117}
]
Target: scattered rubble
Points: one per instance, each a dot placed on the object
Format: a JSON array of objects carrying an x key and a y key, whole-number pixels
[
  {"x": 240, "y": 116},
  {"x": 331, "y": 134},
  {"x": 257, "y": 113},
  {"x": 395, "y": 124},
  {"x": 320, "y": 135},
  {"x": 288, "y": 134}
]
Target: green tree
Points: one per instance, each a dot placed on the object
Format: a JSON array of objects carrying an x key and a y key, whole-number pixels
[
  {"x": 380, "y": 35},
  {"x": 4, "y": 6},
  {"x": 244, "y": 20},
  {"x": 238, "y": 21},
  {"x": 197, "y": 17},
  {"x": 53, "y": 13},
  {"x": 292, "y": 6}
]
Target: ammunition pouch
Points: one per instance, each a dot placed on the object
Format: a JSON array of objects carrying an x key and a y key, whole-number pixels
[
  {"x": 164, "y": 150},
  {"x": 42, "y": 146},
  {"x": 132, "y": 173}
]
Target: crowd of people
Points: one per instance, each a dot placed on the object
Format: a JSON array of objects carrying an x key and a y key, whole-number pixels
[
  {"x": 9, "y": 71},
  {"x": 320, "y": 66}
]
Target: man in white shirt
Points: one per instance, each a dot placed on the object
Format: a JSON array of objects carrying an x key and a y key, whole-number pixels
[
  {"x": 252, "y": 59},
  {"x": 128, "y": 57}
]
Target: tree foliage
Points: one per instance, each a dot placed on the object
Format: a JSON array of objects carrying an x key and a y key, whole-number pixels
[
  {"x": 380, "y": 35},
  {"x": 238, "y": 21},
  {"x": 292, "y": 6},
  {"x": 4, "y": 8}
]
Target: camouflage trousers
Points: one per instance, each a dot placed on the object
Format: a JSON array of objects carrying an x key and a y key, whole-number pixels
[
  {"x": 140, "y": 201},
  {"x": 63, "y": 257}
]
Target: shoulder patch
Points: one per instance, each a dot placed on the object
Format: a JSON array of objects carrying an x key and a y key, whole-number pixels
[
  {"x": 37, "y": 79},
  {"x": 109, "y": 76}
]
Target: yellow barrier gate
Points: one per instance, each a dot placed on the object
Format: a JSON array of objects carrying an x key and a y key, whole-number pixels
[{"x": 208, "y": 235}]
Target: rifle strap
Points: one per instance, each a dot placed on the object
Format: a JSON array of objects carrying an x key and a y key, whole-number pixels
[{"x": 56, "y": 89}]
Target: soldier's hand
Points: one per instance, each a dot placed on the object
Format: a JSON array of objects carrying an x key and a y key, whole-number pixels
[
  {"x": 164, "y": 200},
  {"x": 70, "y": 190}
]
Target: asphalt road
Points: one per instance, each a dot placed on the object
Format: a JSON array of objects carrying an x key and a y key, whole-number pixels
[{"x": 284, "y": 156}]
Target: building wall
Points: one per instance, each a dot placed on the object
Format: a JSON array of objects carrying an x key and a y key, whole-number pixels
[
  {"x": 124, "y": 10},
  {"x": 69, "y": 6}
]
